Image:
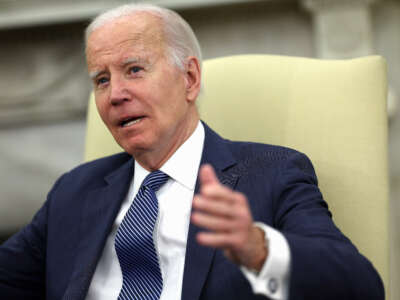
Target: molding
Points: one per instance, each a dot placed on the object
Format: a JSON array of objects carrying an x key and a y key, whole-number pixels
[
  {"x": 317, "y": 5},
  {"x": 24, "y": 13},
  {"x": 343, "y": 29}
]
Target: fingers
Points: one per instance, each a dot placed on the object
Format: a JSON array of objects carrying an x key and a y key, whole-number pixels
[
  {"x": 214, "y": 207},
  {"x": 223, "y": 219},
  {"x": 212, "y": 215},
  {"x": 223, "y": 240},
  {"x": 211, "y": 222},
  {"x": 215, "y": 240}
]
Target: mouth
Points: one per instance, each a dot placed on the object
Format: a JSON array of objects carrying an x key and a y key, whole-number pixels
[{"x": 130, "y": 121}]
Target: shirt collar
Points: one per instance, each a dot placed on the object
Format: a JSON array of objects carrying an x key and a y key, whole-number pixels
[{"x": 183, "y": 165}]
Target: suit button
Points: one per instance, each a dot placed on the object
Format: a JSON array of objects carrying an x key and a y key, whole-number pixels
[{"x": 273, "y": 285}]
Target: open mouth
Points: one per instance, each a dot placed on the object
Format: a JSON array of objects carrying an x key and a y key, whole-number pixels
[{"x": 130, "y": 121}]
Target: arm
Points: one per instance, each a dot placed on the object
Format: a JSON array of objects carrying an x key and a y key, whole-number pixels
[
  {"x": 23, "y": 259},
  {"x": 324, "y": 264},
  {"x": 227, "y": 215}
]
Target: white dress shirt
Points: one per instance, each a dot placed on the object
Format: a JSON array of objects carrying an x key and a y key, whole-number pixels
[{"x": 171, "y": 230}]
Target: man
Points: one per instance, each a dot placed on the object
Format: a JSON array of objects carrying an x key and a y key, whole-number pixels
[{"x": 106, "y": 232}]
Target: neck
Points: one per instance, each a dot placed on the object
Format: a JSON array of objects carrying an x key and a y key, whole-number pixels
[{"x": 154, "y": 160}]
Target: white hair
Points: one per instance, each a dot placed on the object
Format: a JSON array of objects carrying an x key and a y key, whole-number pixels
[{"x": 179, "y": 37}]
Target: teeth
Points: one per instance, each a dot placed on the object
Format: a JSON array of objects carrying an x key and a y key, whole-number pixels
[{"x": 132, "y": 122}]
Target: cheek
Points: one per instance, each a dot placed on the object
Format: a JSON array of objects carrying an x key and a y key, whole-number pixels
[
  {"x": 101, "y": 108},
  {"x": 172, "y": 99}
]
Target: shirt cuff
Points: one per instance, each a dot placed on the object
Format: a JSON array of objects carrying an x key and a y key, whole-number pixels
[{"x": 273, "y": 279}]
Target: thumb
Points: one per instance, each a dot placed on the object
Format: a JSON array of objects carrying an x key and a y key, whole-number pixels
[{"x": 207, "y": 175}]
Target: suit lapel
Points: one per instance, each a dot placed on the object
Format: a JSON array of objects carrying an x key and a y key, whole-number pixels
[
  {"x": 199, "y": 258},
  {"x": 99, "y": 212}
]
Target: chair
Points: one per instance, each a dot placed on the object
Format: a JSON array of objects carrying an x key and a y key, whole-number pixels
[{"x": 334, "y": 111}]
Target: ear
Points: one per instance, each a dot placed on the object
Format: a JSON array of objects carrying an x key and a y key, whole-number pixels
[{"x": 192, "y": 78}]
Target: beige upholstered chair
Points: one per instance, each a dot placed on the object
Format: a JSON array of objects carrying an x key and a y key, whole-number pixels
[{"x": 334, "y": 111}]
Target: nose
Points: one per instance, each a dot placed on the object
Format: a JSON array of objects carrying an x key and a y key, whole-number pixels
[{"x": 119, "y": 91}]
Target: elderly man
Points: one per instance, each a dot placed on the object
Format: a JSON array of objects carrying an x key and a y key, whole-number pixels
[{"x": 175, "y": 216}]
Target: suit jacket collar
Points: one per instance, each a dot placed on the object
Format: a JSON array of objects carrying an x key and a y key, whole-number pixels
[{"x": 199, "y": 258}]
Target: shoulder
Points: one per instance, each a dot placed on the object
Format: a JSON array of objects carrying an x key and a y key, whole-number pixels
[
  {"x": 248, "y": 151},
  {"x": 271, "y": 160},
  {"x": 256, "y": 156},
  {"x": 266, "y": 153},
  {"x": 103, "y": 165},
  {"x": 92, "y": 173}
]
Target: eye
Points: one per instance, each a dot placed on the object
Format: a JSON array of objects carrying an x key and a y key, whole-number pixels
[
  {"x": 135, "y": 69},
  {"x": 101, "y": 81}
]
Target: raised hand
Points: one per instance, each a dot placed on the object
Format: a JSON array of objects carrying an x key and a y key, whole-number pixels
[{"x": 226, "y": 215}]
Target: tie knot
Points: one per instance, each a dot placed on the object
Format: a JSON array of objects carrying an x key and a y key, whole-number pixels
[{"x": 155, "y": 180}]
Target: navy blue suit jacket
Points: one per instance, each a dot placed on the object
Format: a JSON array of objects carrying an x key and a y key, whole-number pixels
[{"x": 55, "y": 256}]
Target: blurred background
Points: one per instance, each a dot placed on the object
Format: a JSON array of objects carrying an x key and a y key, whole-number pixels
[{"x": 44, "y": 87}]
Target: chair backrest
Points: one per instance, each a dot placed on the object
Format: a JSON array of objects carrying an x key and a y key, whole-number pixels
[{"x": 332, "y": 110}]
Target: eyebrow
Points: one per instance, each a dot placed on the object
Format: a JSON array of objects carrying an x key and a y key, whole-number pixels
[
  {"x": 126, "y": 62},
  {"x": 94, "y": 74},
  {"x": 132, "y": 60}
]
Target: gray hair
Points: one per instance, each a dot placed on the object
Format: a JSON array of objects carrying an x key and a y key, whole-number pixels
[{"x": 179, "y": 37}]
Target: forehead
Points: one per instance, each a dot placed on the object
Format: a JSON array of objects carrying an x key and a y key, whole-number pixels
[{"x": 140, "y": 32}]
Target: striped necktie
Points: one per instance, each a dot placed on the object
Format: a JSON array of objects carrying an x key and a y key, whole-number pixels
[{"x": 134, "y": 244}]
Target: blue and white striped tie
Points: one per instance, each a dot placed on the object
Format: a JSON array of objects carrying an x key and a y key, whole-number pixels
[{"x": 134, "y": 244}]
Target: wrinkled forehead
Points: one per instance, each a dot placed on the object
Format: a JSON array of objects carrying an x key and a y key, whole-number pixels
[{"x": 140, "y": 29}]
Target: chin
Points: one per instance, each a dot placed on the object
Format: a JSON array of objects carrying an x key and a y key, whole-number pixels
[{"x": 134, "y": 149}]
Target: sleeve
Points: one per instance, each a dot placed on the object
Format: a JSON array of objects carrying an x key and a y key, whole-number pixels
[
  {"x": 273, "y": 279},
  {"x": 324, "y": 263},
  {"x": 22, "y": 260}
]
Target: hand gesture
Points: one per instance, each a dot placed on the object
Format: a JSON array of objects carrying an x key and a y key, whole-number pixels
[{"x": 226, "y": 215}]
